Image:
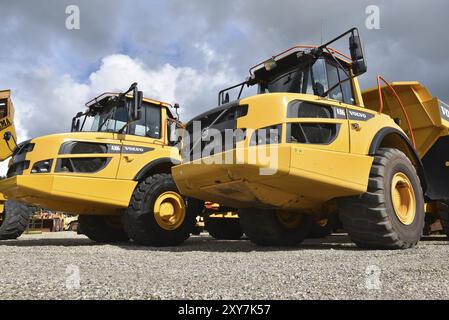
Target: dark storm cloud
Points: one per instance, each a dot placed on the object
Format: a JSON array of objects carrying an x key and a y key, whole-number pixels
[{"x": 412, "y": 43}]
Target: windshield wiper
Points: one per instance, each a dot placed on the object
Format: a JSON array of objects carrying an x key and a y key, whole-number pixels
[
  {"x": 108, "y": 117},
  {"x": 325, "y": 94}
]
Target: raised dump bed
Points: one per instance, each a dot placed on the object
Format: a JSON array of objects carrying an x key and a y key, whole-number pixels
[{"x": 429, "y": 118}]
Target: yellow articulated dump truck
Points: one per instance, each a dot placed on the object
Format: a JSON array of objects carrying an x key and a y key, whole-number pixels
[
  {"x": 113, "y": 170},
  {"x": 310, "y": 144},
  {"x": 14, "y": 216}
]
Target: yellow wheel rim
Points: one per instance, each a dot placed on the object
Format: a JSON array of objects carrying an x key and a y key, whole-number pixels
[
  {"x": 403, "y": 198},
  {"x": 169, "y": 210},
  {"x": 288, "y": 219}
]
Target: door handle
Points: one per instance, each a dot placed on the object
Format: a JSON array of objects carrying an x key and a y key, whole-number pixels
[
  {"x": 128, "y": 158},
  {"x": 355, "y": 126}
]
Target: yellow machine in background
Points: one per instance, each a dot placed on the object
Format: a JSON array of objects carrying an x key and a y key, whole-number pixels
[
  {"x": 14, "y": 216},
  {"x": 113, "y": 170},
  {"x": 311, "y": 145}
]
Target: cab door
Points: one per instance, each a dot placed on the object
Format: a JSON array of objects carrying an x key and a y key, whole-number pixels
[
  {"x": 320, "y": 134},
  {"x": 7, "y": 125},
  {"x": 144, "y": 141}
]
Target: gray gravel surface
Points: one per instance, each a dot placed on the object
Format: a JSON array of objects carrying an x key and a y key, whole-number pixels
[{"x": 46, "y": 266}]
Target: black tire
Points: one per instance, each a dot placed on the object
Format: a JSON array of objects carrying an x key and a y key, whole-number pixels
[
  {"x": 102, "y": 229},
  {"x": 223, "y": 228},
  {"x": 263, "y": 228},
  {"x": 139, "y": 219},
  {"x": 15, "y": 219},
  {"x": 370, "y": 219}
]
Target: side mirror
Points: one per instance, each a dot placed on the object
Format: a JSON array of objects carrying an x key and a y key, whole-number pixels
[
  {"x": 135, "y": 111},
  {"x": 225, "y": 98},
  {"x": 359, "y": 67},
  {"x": 355, "y": 47},
  {"x": 172, "y": 136},
  {"x": 358, "y": 59},
  {"x": 318, "y": 89},
  {"x": 75, "y": 124}
]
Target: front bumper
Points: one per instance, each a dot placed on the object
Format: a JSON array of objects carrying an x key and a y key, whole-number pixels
[{"x": 73, "y": 194}]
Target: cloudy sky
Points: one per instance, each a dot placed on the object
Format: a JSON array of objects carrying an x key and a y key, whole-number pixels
[{"x": 187, "y": 50}]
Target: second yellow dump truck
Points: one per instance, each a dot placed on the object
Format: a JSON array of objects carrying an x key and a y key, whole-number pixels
[
  {"x": 14, "y": 216},
  {"x": 113, "y": 170},
  {"x": 311, "y": 145}
]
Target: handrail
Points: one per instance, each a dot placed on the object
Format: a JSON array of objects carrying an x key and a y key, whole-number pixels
[
  {"x": 404, "y": 111},
  {"x": 301, "y": 47}
]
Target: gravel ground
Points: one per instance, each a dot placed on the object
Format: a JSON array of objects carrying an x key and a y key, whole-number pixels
[{"x": 46, "y": 266}]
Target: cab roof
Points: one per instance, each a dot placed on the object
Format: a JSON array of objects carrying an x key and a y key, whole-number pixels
[
  {"x": 290, "y": 58},
  {"x": 105, "y": 95}
]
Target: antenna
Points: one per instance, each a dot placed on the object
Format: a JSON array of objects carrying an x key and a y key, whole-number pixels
[{"x": 322, "y": 31}]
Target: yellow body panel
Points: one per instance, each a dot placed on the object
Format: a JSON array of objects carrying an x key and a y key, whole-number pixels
[
  {"x": 80, "y": 195},
  {"x": 307, "y": 175}
]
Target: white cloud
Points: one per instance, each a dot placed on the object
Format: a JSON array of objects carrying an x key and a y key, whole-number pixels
[{"x": 47, "y": 100}]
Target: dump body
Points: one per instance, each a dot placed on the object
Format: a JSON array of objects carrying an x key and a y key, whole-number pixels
[
  {"x": 6, "y": 125},
  {"x": 429, "y": 116},
  {"x": 429, "y": 119}
]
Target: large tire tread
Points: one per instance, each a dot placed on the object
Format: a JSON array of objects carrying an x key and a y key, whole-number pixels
[
  {"x": 366, "y": 218},
  {"x": 139, "y": 220},
  {"x": 15, "y": 220}
]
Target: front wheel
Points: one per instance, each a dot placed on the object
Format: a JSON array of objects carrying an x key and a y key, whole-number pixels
[
  {"x": 14, "y": 220},
  {"x": 390, "y": 215},
  {"x": 158, "y": 215}
]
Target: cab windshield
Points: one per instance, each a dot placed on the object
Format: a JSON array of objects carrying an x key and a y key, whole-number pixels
[
  {"x": 115, "y": 120},
  {"x": 309, "y": 77}
]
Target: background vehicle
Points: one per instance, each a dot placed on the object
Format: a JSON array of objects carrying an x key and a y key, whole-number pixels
[
  {"x": 113, "y": 170},
  {"x": 377, "y": 158},
  {"x": 14, "y": 216}
]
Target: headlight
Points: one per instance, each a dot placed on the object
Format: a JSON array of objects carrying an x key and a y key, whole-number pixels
[{"x": 43, "y": 166}]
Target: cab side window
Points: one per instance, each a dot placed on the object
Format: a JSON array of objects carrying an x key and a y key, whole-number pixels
[
  {"x": 3, "y": 108},
  {"x": 150, "y": 123},
  {"x": 326, "y": 76}
]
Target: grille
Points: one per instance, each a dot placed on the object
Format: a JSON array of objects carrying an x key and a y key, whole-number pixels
[
  {"x": 221, "y": 123},
  {"x": 19, "y": 162}
]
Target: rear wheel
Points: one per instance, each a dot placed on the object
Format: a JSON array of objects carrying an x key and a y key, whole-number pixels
[
  {"x": 158, "y": 215},
  {"x": 274, "y": 228},
  {"x": 103, "y": 229},
  {"x": 14, "y": 220},
  {"x": 223, "y": 228},
  {"x": 390, "y": 215}
]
